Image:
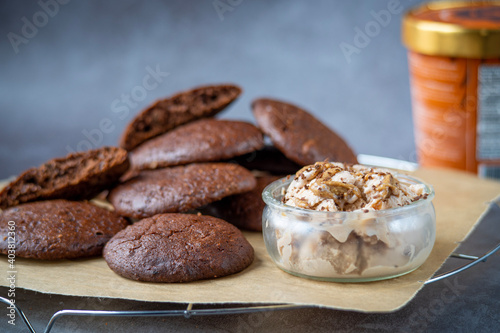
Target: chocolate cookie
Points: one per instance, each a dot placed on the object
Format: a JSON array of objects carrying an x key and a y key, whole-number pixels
[
  {"x": 80, "y": 175},
  {"x": 178, "y": 248},
  {"x": 268, "y": 159},
  {"x": 57, "y": 229},
  {"x": 179, "y": 189},
  {"x": 176, "y": 110},
  {"x": 204, "y": 140},
  {"x": 243, "y": 210},
  {"x": 299, "y": 135}
]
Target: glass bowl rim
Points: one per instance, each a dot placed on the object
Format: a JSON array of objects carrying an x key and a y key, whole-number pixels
[{"x": 285, "y": 181}]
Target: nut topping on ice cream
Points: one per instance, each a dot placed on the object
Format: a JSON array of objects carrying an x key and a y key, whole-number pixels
[{"x": 345, "y": 187}]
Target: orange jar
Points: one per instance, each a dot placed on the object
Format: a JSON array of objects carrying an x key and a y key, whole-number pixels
[{"x": 454, "y": 64}]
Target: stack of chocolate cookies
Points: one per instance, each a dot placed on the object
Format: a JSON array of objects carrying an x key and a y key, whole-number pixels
[
  {"x": 178, "y": 152},
  {"x": 46, "y": 214},
  {"x": 176, "y": 161}
]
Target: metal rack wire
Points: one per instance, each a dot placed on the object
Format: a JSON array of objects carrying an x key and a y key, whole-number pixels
[{"x": 190, "y": 311}]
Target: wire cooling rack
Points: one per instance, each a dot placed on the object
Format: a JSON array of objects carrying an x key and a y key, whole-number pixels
[{"x": 190, "y": 311}]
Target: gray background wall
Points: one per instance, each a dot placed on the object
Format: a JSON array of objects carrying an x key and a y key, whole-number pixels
[{"x": 83, "y": 58}]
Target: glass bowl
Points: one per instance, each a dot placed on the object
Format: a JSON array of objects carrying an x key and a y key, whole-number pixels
[{"x": 348, "y": 246}]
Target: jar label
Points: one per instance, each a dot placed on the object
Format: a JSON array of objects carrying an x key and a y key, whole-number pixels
[
  {"x": 456, "y": 112},
  {"x": 488, "y": 124}
]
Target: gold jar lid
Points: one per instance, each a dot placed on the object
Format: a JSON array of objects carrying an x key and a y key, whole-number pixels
[{"x": 454, "y": 28}]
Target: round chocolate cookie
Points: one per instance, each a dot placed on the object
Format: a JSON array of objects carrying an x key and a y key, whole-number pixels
[
  {"x": 179, "y": 189},
  {"x": 57, "y": 229},
  {"x": 204, "y": 140},
  {"x": 77, "y": 176},
  {"x": 268, "y": 159},
  {"x": 299, "y": 135},
  {"x": 242, "y": 210},
  {"x": 178, "y": 248},
  {"x": 176, "y": 110}
]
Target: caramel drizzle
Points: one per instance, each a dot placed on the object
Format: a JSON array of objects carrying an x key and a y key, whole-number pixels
[{"x": 340, "y": 192}]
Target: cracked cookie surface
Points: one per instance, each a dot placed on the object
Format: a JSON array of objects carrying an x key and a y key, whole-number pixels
[
  {"x": 57, "y": 229},
  {"x": 178, "y": 248},
  {"x": 179, "y": 189},
  {"x": 204, "y": 140},
  {"x": 299, "y": 135}
]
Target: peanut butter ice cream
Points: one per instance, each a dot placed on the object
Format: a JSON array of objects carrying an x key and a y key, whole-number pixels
[
  {"x": 337, "y": 187},
  {"x": 362, "y": 239}
]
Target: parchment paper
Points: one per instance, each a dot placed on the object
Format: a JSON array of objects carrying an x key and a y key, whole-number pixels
[{"x": 460, "y": 200}]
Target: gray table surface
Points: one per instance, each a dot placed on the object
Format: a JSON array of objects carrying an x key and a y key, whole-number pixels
[{"x": 83, "y": 60}]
